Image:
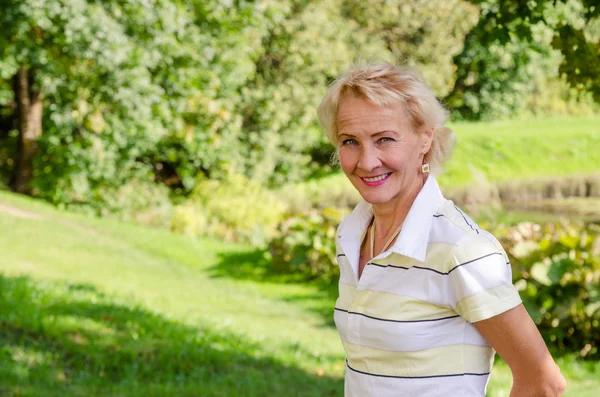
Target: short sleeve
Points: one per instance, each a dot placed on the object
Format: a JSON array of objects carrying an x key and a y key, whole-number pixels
[{"x": 480, "y": 278}]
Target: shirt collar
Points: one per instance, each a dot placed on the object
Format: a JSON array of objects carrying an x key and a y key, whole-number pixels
[{"x": 414, "y": 236}]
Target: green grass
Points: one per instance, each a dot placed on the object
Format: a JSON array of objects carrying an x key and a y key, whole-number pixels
[
  {"x": 524, "y": 149},
  {"x": 96, "y": 307}
]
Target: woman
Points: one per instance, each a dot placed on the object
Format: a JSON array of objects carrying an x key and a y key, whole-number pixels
[{"x": 425, "y": 295}]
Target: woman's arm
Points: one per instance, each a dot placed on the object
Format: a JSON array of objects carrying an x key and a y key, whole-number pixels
[{"x": 516, "y": 339}]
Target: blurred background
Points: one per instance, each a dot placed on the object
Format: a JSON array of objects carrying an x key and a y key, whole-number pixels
[{"x": 168, "y": 203}]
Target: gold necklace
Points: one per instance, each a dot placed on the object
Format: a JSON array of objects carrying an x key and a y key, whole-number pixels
[{"x": 387, "y": 244}]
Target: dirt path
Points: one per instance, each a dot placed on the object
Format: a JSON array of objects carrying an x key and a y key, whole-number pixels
[{"x": 14, "y": 211}]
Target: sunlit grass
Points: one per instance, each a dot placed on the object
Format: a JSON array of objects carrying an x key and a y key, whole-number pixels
[
  {"x": 524, "y": 149},
  {"x": 98, "y": 307}
]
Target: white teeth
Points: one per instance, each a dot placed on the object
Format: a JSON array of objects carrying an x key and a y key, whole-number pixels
[{"x": 377, "y": 178}]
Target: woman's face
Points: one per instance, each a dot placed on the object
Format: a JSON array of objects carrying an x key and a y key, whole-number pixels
[{"x": 380, "y": 152}]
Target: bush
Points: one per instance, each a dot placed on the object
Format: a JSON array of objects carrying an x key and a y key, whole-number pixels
[
  {"x": 556, "y": 269},
  {"x": 333, "y": 191},
  {"x": 305, "y": 244},
  {"x": 143, "y": 202},
  {"x": 189, "y": 219},
  {"x": 234, "y": 209},
  {"x": 137, "y": 200}
]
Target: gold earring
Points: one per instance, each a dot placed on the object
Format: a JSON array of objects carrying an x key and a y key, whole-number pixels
[{"x": 425, "y": 168}]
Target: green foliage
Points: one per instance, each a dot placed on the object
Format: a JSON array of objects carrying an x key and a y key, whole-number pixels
[
  {"x": 190, "y": 220},
  {"x": 166, "y": 90},
  {"x": 235, "y": 209},
  {"x": 332, "y": 191},
  {"x": 422, "y": 34},
  {"x": 143, "y": 202},
  {"x": 495, "y": 80},
  {"x": 304, "y": 50},
  {"x": 554, "y": 96},
  {"x": 557, "y": 270},
  {"x": 516, "y": 43},
  {"x": 132, "y": 88},
  {"x": 305, "y": 244}
]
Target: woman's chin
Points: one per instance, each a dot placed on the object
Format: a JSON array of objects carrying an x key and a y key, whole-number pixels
[{"x": 375, "y": 198}]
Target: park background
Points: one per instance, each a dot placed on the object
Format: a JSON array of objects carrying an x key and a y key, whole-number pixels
[{"x": 168, "y": 202}]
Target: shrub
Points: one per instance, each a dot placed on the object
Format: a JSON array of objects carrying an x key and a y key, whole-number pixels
[
  {"x": 305, "y": 244},
  {"x": 143, "y": 202},
  {"x": 235, "y": 209},
  {"x": 138, "y": 200},
  {"x": 331, "y": 191},
  {"x": 556, "y": 268},
  {"x": 188, "y": 219}
]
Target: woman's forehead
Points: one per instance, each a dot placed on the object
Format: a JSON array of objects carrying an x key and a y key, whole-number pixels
[{"x": 355, "y": 111}]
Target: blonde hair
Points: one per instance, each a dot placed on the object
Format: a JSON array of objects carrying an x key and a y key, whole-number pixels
[{"x": 386, "y": 84}]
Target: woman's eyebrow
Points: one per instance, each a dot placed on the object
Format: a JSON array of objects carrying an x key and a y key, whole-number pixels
[
  {"x": 386, "y": 132},
  {"x": 382, "y": 132}
]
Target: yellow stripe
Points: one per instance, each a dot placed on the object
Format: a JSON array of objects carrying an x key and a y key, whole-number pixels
[
  {"x": 385, "y": 305},
  {"x": 436, "y": 258},
  {"x": 488, "y": 303},
  {"x": 389, "y": 306},
  {"x": 347, "y": 294},
  {"x": 444, "y": 360}
]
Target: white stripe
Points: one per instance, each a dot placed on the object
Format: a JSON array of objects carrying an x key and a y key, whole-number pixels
[
  {"x": 443, "y": 230},
  {"x": 346, "y": 273},
  {"x": 478, "y": 276},
  {"x": 406, "y": 337},
  {"x": 422, "y": 284},
  {"x": 436, "y": 258},
  {"x": 359, "y": 385}
]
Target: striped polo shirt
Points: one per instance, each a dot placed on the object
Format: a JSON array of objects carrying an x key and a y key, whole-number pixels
[{"x": 406, "y": 324}]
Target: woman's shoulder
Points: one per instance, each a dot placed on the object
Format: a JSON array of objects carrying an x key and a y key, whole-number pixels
[{"x": 452, "y": 225}]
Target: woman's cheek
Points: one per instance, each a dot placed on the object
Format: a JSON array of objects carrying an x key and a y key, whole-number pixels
[{"x": 346, "y": 161}]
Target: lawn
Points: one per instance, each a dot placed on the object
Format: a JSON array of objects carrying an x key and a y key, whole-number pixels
[
  {"x": 97, "y": 307},
  {"x": 524, "y": 149}
]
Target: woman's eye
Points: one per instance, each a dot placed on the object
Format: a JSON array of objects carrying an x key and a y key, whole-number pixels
[
  {"x": 386, "y": 139},
  {"x": 348, "y": 142}
]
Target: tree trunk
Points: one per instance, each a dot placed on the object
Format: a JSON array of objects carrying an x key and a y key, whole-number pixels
[{"x": 29, "y": 113}]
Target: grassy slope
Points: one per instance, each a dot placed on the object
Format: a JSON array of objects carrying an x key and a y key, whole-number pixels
[
  {"x": 96, "y": 307},
  {"x": 524, "y": 149}
]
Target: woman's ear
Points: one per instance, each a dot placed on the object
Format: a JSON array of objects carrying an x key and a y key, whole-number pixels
[{"x": 426, "y": 140}]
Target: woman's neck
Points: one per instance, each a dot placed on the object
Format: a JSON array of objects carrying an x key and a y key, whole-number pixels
[{"x": 389, "y": 216}]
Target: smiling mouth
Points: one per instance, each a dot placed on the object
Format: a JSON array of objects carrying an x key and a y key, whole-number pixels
[{"x": 376, "y": 178}]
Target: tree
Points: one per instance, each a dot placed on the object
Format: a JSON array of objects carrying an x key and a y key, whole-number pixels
[
  {"x": 125, "y": 83},
  {"x": 311, "y": 45},
  {"x": 516, "y": 40},
  {"x": 28, "y": 100},
  {"x": 423, "y": 34},
  {"x": 55, "y": 52}
]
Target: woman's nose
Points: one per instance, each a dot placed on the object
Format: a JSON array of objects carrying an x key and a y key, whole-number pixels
[{"x": 369, "y": 159}]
